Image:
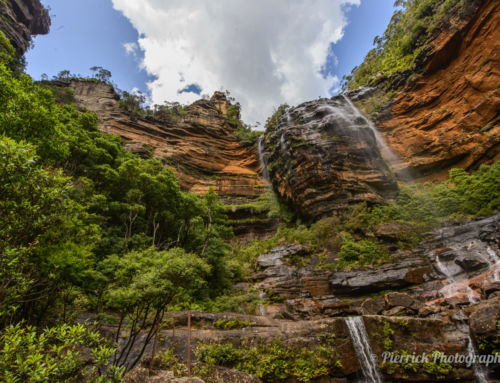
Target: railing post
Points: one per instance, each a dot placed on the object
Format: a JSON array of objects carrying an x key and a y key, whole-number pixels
[{"x": 189, "y": 345}]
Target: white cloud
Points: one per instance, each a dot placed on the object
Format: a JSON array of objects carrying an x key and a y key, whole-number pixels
[
  {"x": 265, "y": 52},
  {"x": 131, "y": 48}
]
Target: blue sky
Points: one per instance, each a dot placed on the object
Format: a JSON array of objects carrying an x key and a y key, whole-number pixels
[
  {"x": 85, "y": 34},
  {"x": 93, "y": 32}
]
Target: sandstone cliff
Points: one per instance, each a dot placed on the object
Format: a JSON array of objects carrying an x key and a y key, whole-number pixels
[
  {"x": 200, "y": 147},
  {"x": 450, "y": 116},
  {"x": 20, "y": 19}
]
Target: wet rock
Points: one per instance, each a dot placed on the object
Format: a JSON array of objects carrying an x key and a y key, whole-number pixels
[
  {"x": 459, "y": 299},
  {"x": 471, "y": 262},
  {"x": 323, "y": 156},
  {"x": 398, "y": 274},
  {"x": 490, "y": 287},
  {"x": 276, "y": 255},
  {"x": 398, "y": 310},
  {"x": 428, "y": 310},
  {"x": 494, "y": 295}
]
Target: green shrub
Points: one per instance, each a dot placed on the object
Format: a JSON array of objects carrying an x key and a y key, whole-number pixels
[
  {"x": 231, "y": 324},
  {"x": 9, "y": 56},
  {"x": 234, "y": 301},
  {"x": 55, "y": 355},
  {"x": 388, "y": 334},
  {"x": 327, "y": 232},
  {"x": 272, "y": 122},
  {"x": 273, "y": 361},
  {"x": 360, "y": 252}
]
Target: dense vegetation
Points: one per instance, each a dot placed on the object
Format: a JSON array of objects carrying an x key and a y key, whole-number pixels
[
  {"x": 272, "y": 362},
  {"x": 88, "y": 226},
  {"x": 413, "y": 24}
]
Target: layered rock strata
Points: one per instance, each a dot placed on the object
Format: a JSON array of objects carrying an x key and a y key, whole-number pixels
[
  {"x": 419, "y": 335},
  {"x": 199, "y": 146},
  {"x": 457, "y": 266},
  {"x": 20, "y": 19},
  {"x": 323, "y": 156},
  {"x": 450, "y": 115}
]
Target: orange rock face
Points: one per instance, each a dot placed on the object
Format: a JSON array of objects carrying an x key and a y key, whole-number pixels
[
  {"x": 200, "y": 147},
  {"x": 451, "y": 116}
]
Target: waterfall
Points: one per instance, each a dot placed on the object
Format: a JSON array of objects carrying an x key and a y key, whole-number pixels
[
  {"x": 454, "y": 286},
  {"x": 361, "y": 344},
  {"x": 391, "y": 157},
  {"x": 282, "y": 142},
  {"x": 263, "y": 159},
  {"x": 479, "y": 371}
]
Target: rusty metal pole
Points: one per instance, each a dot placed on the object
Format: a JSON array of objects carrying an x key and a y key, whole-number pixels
[
  {"x": 155, "y": 344},
  {"x": 189, "y": 345}
]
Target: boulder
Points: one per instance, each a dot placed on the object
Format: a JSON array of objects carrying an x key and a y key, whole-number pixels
[
  {"x": 483, "y": 322},
  {"x": 373, "y": 306},
  {"x": 398, "y": 310},
  {"x": 323, "y": 156},
  {"x": 490, "y": 287},
  {"x": 142, "y": 375},
  {"x": 428, "y": 310},
  {"x": 402, "y": 299},
  {"x": 471, "y": 262}
]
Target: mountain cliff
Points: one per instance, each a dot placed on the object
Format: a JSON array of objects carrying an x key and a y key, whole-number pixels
[
  {"x": 449, "y": 113},
  {"x": 200, "y": 146},
  {"x": 20, "y": 19}
]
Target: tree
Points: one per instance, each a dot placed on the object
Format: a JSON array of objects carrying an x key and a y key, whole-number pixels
[
  {"x": 132, "y": 103},
  {"x": 44, "y": 241},
  {"x": 142, "y": 285},
  {"x": 64, "y": 75},
  {"x": 101, "y": 74}
]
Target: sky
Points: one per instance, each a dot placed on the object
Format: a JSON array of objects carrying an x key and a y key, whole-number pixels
[{"x": 264, "y": 52}]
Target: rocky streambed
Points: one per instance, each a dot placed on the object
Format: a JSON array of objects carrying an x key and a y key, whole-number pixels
[{"x": 403, "y": 307}]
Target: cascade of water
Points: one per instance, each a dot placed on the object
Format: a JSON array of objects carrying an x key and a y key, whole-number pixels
[
  {"x": 386, "y": 151},
  {"x": 361, "y": 344},
  {"x": 263, "y": 159},
  {"x": 454, "y": 286},
  {"x": 261, "y": 310},
  {"x": 282, "y": 142},
  {"x": 496, "y": 263},
  {"x": 388, "y": 154},
  {"x": 479, "y": 371}
]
